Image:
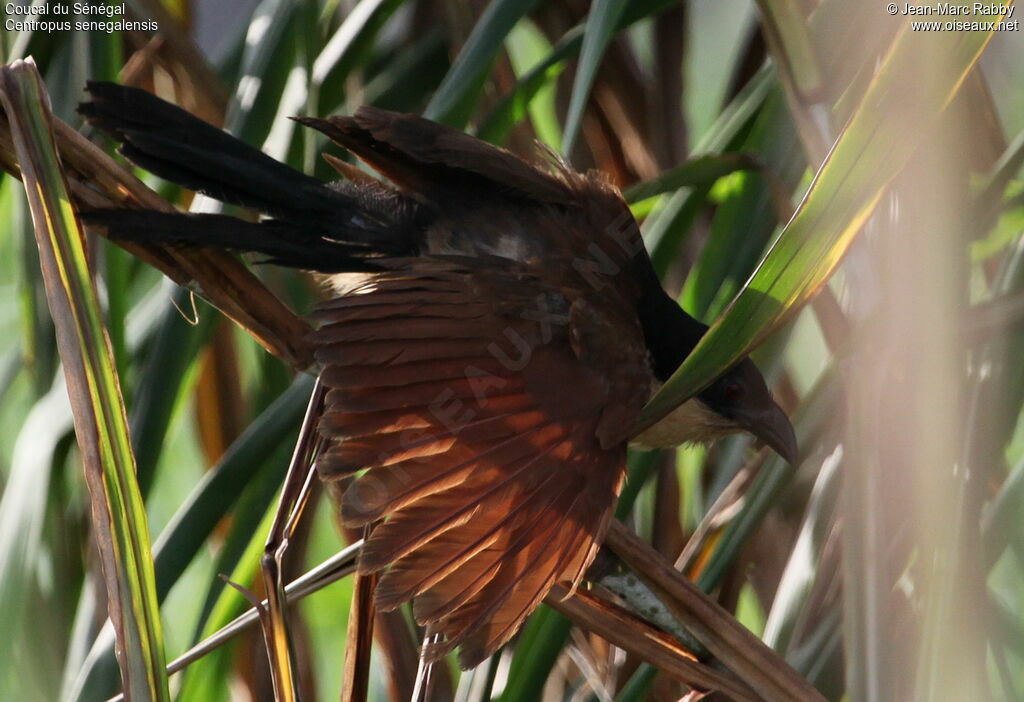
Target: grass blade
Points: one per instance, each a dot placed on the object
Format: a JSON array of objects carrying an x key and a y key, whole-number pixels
[
  {"x": 536, "y": 654},
  {"x": 23, "y": 509},
  {"x": 119, "y": 516},
  {"x": 452, "y": 103},
  {"x": 251, "y": 456},
  {"x": 601, "y": 25},
  {"x": 174, "y": 346},
  {"x": 530, "y": 53},
  {"x": 767, "y": 486},
  {"x": 511, "y": 108},
  {"x": 702, "y": 170},
  {"x": 747, "y": 215}
]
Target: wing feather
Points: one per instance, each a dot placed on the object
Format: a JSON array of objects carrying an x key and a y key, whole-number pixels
[
  {"x": 407, "y": 373},
  {"x": 477, "y": 542},
  {"x": 391, "y": 488},
  {"x": 435, "y": 161},
  {"x": 492, "y": 473}
]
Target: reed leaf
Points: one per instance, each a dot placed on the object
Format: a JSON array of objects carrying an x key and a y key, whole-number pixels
[{"x": 119, "y": 518}]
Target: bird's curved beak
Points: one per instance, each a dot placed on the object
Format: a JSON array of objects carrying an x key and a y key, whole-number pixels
[{"x": 772, "y": 426}]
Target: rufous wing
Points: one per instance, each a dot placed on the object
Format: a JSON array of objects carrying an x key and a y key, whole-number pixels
[{"x": 485, "y": 432}]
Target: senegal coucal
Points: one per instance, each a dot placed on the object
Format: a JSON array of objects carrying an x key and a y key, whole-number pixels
[{"x": 494, "y": 329}]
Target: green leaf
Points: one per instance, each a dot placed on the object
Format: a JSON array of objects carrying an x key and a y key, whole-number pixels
[
  {"x": 637, "y": 688},
  {"x": 209, "y": 674},
  {"x": 452, "y": 103},
  {"x": 119, "y": 517},
  {"x": 805, "y": 564},
  {"x": 542, "y": 638},
  {"x": 405, "y": 80},
  {"x": 343, "y": 50},
  {"x": 667, "y": 227},
  {"x": 784, "y": 23},
  {"x": 642, "y": 466},
  {"x": 503, "y": 116},
  {"x": 254, "y": 456},
  {"x": 23, "y": 507},
  {"x": 528, "y": 48},
  {"x": 602, "y": 22},
  {"x": 263, "y": 75},
  {"x": 869, "y": 153},
  {"x": 701, "y": 170},
  {"x": 746, "y": 217},
  {"x": 168, "y": 356},
  {"x": 763, "y": 494},
  {"x": 512, "y": 107},
  {"x": 40, "y": 350}
]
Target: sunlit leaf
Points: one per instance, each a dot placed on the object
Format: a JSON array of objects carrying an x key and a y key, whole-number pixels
[
  {"x": 119, "y": 517},
  {"x": 666, "y": 228},
  {"x": 697, "y": 171},
  {"x": 866, "y": 157},
  {"x": 747, "y": 214},
  {"x": 527, "y": 51},
  {"x": 209, "y": 675}
]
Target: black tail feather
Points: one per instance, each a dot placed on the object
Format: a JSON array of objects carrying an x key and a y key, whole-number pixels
[
  {"x": 315, "y": 226},
  {"x": 168, "y": 141},
  {"x": 285, "y": 244}
]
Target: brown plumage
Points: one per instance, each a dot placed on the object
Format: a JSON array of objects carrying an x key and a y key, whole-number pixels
[
  {"x": 488, "y": 398},
  {"x": 485, "y": 367},
  {"x": 495, "y": 460}
]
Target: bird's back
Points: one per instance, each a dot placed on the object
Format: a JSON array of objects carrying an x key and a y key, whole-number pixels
[{"x": 476, "y": 199}]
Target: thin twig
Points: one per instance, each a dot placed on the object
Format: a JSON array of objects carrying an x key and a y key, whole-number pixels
[
  {"x": 355, "y": 679},
  {"x": 426, "y": 669}
]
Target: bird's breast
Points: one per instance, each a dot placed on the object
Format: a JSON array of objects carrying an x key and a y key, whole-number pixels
[{"x": 690, "y": 422}]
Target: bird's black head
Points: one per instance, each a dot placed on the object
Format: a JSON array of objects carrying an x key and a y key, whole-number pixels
[
  {"x": 742, "y": 398},
  {"x": 738, "y": 400}
]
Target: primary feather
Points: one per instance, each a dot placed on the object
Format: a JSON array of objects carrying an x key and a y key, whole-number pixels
[{"x": 491, "y": 478}]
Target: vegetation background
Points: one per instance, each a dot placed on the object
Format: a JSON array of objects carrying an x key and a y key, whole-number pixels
[{"x": 887, "y": 566}]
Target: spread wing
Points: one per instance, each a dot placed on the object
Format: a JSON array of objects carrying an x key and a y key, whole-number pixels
[{"x": 488, "y": 408}]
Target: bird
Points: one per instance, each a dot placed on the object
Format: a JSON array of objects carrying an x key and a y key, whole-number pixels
[{"x": 493, "y": 327}]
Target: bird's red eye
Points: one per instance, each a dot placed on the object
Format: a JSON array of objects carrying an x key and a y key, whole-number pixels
[{"x": 733, "y": 392}]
